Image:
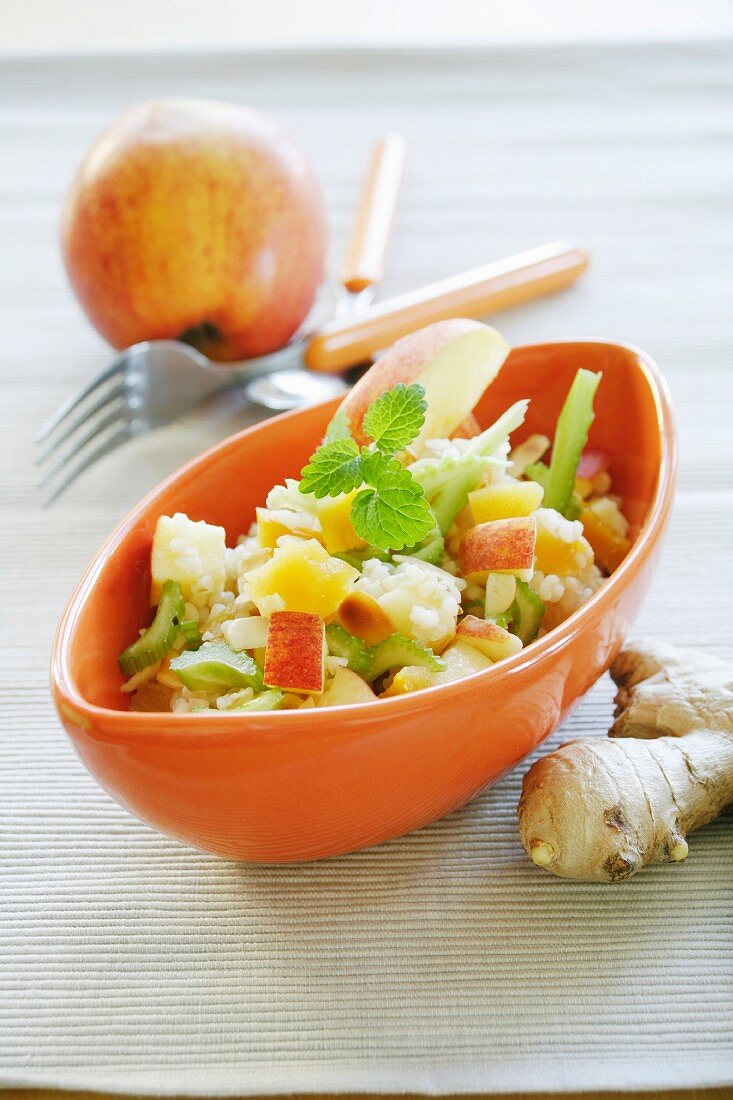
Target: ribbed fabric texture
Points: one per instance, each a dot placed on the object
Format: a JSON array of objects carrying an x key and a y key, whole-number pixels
[{"x": 443, "y": 961}]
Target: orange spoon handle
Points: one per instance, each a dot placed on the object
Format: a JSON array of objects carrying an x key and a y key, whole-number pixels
[
  {"x": 498, "y": 285},
  {"x": 364, "y": 261}
]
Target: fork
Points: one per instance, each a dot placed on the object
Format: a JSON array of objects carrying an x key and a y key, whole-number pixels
[{"x": 155, "y": 382}]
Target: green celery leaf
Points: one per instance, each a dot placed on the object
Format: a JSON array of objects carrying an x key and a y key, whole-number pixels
[{"x": 396, "y": 417}]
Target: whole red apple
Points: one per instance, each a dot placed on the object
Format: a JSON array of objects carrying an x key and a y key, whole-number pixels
[{"x": 197, "y": 220}]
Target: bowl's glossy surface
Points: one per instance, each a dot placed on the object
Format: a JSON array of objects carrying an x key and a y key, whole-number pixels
[{"x": 300, "y": 785}]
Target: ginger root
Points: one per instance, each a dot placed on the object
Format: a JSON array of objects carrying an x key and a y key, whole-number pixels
[{"x": 602, "y": 810}]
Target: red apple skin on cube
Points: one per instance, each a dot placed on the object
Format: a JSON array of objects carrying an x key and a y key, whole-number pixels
[
  {"x": 488, "y": 637},
  {"x": 499, "y": 546},
  {"x": 294, "y": 658}
]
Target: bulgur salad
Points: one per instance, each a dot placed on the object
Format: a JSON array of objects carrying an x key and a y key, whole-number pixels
[{"x": 395, "y": 563}]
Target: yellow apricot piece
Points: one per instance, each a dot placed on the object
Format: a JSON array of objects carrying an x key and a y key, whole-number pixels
[
  {"x": 555, "y": 555},
  {"x": 409, "y": 678},
  {"x": 301, "y": 576},
  {"x": 505, "y": 500},
  {"x": 338, "y": 532}
]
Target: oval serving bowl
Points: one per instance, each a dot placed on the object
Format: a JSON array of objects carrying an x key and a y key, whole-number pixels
[{"x": 299, "y": 785}]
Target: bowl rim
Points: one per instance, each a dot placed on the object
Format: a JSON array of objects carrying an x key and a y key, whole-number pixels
[{"x": 76, "y": 708}]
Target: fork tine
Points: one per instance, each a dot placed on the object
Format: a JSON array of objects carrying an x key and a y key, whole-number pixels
[
  {"x": 115, "y": 367},
  {"x": 78, "y": 445},
  {"x": 106, "y": 399},
  {"x": 98, "y": 452}
]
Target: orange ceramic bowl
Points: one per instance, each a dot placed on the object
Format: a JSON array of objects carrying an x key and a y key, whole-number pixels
[{"x": 299, "y": 785}]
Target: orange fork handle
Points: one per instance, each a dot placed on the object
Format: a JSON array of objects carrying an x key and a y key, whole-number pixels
[
  {"x": 367, "y": 248},
  {"x": 496, "y": 286}
]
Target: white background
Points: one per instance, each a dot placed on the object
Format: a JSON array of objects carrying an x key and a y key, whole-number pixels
[{"x": 65, "y": 26}]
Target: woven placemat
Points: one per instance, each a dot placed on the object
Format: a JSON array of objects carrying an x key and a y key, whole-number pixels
[{"x": 444, "y": 961}]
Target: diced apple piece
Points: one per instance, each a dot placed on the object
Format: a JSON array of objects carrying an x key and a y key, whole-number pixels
[
  {"x": 490, "y": 639},
  {"x": 335, "y": 517},
  {"x": 346, "y": 689},
  {"x": 296, "y": 649},
  {"x": 505, "y": 500},
  {"x": 500, "y": 546},
  {"x": 246, "y": 633},
  {"x": 185, "y": 551},
  {"x": 410, "y": 678},
  {"x": 301, "y": 576},
  {"x": 460, "y": 660},
  {"x": 501, "y": 588},
  {"x": 362, "y": 616},
  {"x": 272, "y": 523},
  {"x": 454, "y": 360}
]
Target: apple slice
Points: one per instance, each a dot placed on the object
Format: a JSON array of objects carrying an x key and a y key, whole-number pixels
[
  {"x": 248, "y": 632},
  {"x": 453, "y": 360},
  {"x": 468, "y": 428},
  {"x": 363, "y": 617},
  {"x": 346, "y": 689},
  {"x": 296, "y": 648},
  {"x": 488, "y": 638},
  {"x": 460, "y": 660},
  {"x": 499, "y": 546}
]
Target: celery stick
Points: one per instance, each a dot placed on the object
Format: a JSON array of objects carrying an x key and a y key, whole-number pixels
[
  {"x": 571, "y": 436},
  {"x": 215, "y": 666},
  {"x": 158, "y": 639}
]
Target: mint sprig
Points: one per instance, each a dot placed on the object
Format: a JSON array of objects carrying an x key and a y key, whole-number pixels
[
  {"x": 396, "y": 417},
  {"x": 335, "y": 468},
  {"x": 391, "y": 511}
]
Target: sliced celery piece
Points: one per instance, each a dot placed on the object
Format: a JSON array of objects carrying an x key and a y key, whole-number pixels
[
  {"x": 269, "y": 700},
  {"x": 157, "y": 641},
  {"x": 192, "y": 634},
  {"x": 397, "y": 652},
  {"x": 539, "y": 472},
  {"x": 215, "y": 666},
  {"x": 447, "y": 482},
  {"x": 571, "y": 436},
  {"x": 343, "y": 644},
  {"x": 525, "y": 614},
  {"x": 431, "y": 549}
]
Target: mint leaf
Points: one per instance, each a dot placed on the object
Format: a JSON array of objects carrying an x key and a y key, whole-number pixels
[
  {"x": 396, "y": 417},
  {"x": 393, "y": 512},
  {"x": 334, "y": 468},
  {"x": 338, "y": 428}
]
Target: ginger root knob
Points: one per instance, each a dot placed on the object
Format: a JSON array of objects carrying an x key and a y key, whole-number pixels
[{"x": 601, "y": 810}]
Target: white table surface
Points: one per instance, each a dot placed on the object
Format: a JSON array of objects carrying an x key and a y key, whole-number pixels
[
  {"x": 443, "y": 961},
  {"x": 74, "y": 26}
]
